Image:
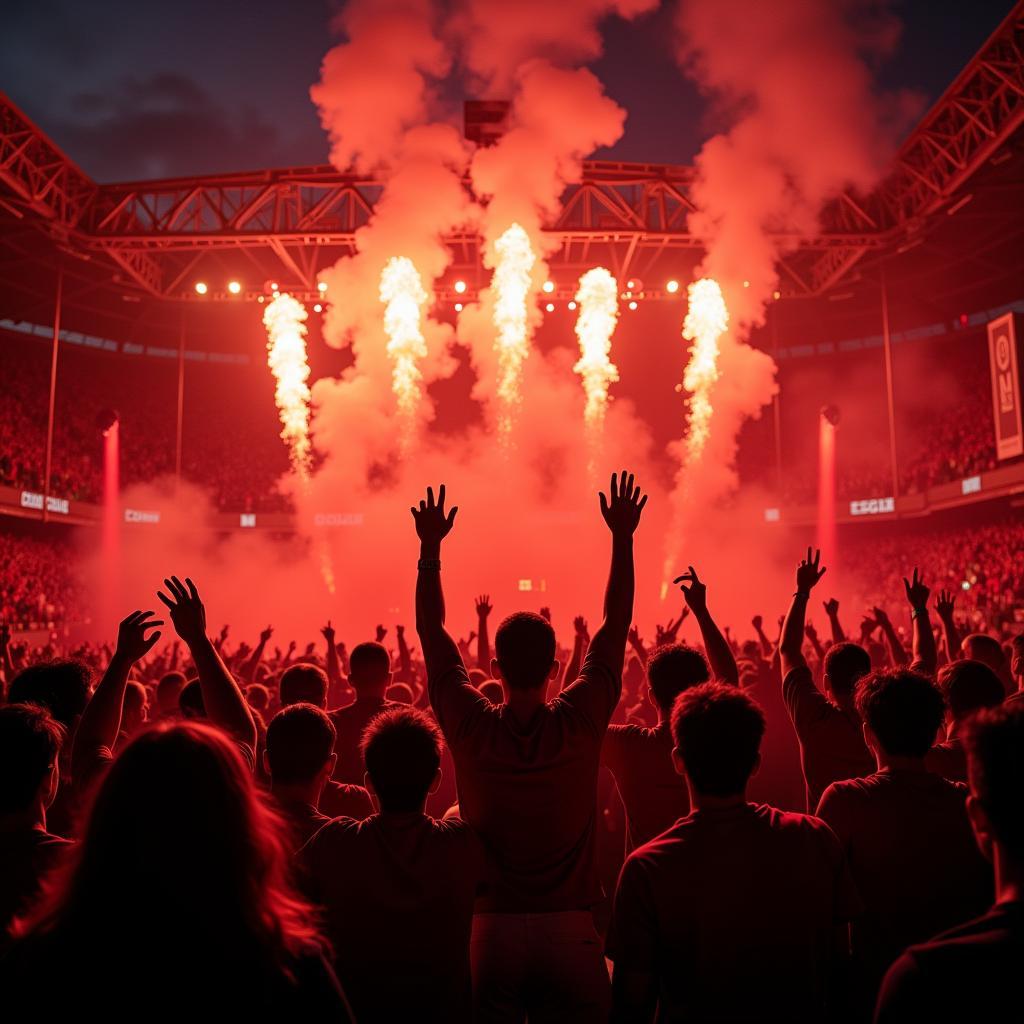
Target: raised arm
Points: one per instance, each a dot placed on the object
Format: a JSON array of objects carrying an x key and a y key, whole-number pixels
[
  {"x": 766, "y": 645},
  {"x": 944, "y": 604},
  {"x": 621, "y": 511},
  {"x": 483, "y": 639},
  {"x": 433, "y": 524},
  {"x": 335, "y": 681},
  {"x": 225, "y": 705},
  {"x": 637, "y": 644},
  {"x": 581, "y": 640},
  {"x": 925, "y": 655},
  {"x": 832, "y": 611},
  {"x": 815, "y": 641},
  {"x": 101, "y": 720},
  {"x": 720, "y": 656},
  {"x": 897, "y": 651},
  {"x": 253, "y": 661},
  {"x": 791, "y": 645},
  {"x": 404, "y": 657}
]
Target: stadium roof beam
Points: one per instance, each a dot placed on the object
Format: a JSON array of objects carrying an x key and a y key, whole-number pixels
[{"x": 624, "y": 214}]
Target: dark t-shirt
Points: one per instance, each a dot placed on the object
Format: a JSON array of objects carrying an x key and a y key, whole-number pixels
[
  {"x": 349, "y": 722},
  {"x": 653, "y": 794},
  {"x": 26, "y": 854},
  {"x": 530, "y": 790},
  {"x": 832, "y": 744},
  {"x": 971, "y": 973},
  {"x": 398, "y": 893},
  {"x": 735, "y": 912},
  {"x": 913, "y": 856}
]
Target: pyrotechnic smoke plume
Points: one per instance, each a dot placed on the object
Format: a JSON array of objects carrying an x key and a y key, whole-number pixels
[
  {"x": 284, "y": 319},
  {"x": 598, "y": 301}
]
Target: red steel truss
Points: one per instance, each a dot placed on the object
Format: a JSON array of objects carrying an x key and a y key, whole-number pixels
[{"x": 293, "y": 221}]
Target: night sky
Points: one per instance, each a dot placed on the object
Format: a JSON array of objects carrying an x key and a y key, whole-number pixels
[{"x": 135, "y": 90}]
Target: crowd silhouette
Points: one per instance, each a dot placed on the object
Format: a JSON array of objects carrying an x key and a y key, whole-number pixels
[{"x": 500, "y": 827}]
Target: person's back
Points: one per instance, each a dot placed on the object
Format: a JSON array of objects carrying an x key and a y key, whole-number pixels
[
  {"x": 732, "y": 913},
  {"x": 137, "y": 922},
  {"x": 398, "y": 888},
  {"x": 527, "y": 781},
  {"x": 904, "y": 829},
  {"x": 653, "y": 794},
  {"x": 972, "y": 971},
  {"x": 30, "y": 743},
  {"x": 370, "y": 675},
  {"x": 831, "y": 744}
]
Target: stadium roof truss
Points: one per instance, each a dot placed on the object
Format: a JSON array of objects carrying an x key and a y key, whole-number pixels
[{"x": 292, "y": 222}]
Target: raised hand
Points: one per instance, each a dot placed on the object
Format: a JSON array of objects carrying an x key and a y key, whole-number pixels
[
  {"x": 831, "y": 607},
  {"x": 327, "y": 632},
  {"x": 944, "y": 604},
  {"x": 634, "y": 637},
  {"x": 808, "y": 572},
  {"x": 880, "y": 616},
  {"x": 433, "y": 524},
  {"x": 696, "y": 594},
  {"x": 867, "y": 626},
  {"x": 188, "y": 616},
  {"x": 917, "y": 592},
  {"x": 545, "y": 613},
  {"x": 580, "y": 625},
  {"x": 382, "y": 631},
  {"x": 400, "y": 632},
  {"x": 810, "y": 632},
  {"x": 133, "y": 641},
  {"x": 622, "y": 509},
  {"x": 757, "y": 622},
  {"x": 483, "y": 605},
  {"x": 266, "y": 634}
]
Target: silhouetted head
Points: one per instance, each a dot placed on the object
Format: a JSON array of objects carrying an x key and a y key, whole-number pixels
[
  {"x": 401, "y": 749},
  {"x": 60, "y": 686},
  {"x": 300, "y": 746},
  {"x": 178, "y": 845},
  {"x": 717, "y": 730},
  {"x": 30, "y": 744},
  {"x": 190, "y": 701},
  {"x": 304, "y": 684},
  {"x": 901, "y": 710},
  {"x": 168, "y": 690},
  {"x": 969, "y": 686},
  {"x": 671, "y": 670},
  {"x": 369, "y": 668},
  {"x": 524, "y": 646},
  {"x": 492, "y": 690},
  {"x": 477, "y": 676},
  {"x": 135, "y": 710},
  {"x": 989, "y": 651},
  {"x": 994, "y": 739},
  {"x": 257, "y": 696},
  {"x": 400, "y": 693},
  {"x": 845, "y": 665}
]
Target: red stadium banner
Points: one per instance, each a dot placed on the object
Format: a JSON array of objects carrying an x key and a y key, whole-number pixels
[{"x": 1004, "y": 359}]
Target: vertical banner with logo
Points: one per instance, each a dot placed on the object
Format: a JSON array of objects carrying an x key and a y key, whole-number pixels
[{"x": 1004, "y": 359}]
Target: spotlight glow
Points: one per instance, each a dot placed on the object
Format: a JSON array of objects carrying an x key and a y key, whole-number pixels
[
  {"x": 550, "y": 307},
  {"x": 234, "y": 287},
  {"x": 460, "y": 286},
  {"x": 632, "y": 305},
  {"x": 548, "y": 286},
  {"x": 672, "y": 287},
  {"x": 321, "y": 287},
  {"x": 403, "y": 295},
  {"x": 284, "y": 319},
  {"x": 201, "y": 288}
]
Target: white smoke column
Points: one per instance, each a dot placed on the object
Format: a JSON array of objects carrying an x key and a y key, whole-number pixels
[
  {"x": 706, "y": 321},
  {"x": 284, "y": 319},
  {"x": 403, "y": 295},
  {"x": 598, "y": 301},
  {"x": 511, "y": 287}
]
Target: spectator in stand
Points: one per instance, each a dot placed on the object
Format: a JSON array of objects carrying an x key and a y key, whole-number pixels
[
  {"x": 398, "y": 888},
  {"x": 30, "y": 743},
  {"x": 904, "y": 830},
  {"x": 370, "y": 677},
  {"x": 972, "y": 971},
  {"x": 967, "y": 687},
  {"x": 299, "y": 760},
  {"x": 737, "y": 912},
  {"x": 653, "y": 794},
  {"x": 535, "y": 951}
]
